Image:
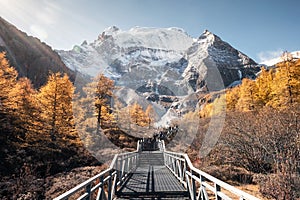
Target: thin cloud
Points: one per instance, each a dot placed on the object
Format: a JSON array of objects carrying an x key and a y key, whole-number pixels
[
  {"x": 39, "y": 32},
  {"x": 269, "y": 55},
  {"x": 49, "y": 14},
  {"x": 37, "y": 17}
]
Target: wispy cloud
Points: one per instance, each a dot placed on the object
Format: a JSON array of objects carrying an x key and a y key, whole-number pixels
[
  {"x": 49, "y": 13},
  {"x": 39, "y": 32},
  {"x": 37, "y": 16},
  {"x": 269, "y": 55}
]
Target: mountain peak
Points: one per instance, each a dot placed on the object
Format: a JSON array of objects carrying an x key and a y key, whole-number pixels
[
  {"x": 206, "y": 32},
  {"x": 167, "y": 39},
  {"x": 207, "y": 35},
  {"x": 110, "y": 30}
]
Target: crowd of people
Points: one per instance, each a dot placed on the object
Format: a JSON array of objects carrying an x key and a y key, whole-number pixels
[{"x": 150, "y": 143}]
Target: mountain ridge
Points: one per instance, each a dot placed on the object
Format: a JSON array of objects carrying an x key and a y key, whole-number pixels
[{"x": 31, "y": 57}]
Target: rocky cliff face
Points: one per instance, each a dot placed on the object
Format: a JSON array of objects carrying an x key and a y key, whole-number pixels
[
  {"x": 209, "y": 57},
  {"x": 31, "y": 57}
]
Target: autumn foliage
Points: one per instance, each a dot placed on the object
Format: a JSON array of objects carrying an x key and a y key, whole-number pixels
[
  {"x": 277, "y": 88},
  {"x": 261, "y": 133},
  {"x": 37, "y": 127}
]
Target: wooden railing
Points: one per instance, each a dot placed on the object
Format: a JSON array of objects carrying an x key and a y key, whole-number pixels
[
  {"x": 104, "y": 185},
  {"x": 200, "y": 184}
]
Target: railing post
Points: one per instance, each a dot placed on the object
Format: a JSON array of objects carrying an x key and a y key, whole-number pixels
[
  {"x": 218, "y": 189},
  {"x": 117, "y": 168},
  {"x": 102, "y": 188},
  {"x": 194, "y": 192},
  {"x": 173, "y": 164},
  {"x": 136, "y": 160},
  {"x": 110, "y": 186},
  {"x": 122, "y": 169},
  {"x": 127, "y": 165},
  {"x": 88, "y": 191},
  {"x": 131, "y": 162},
  {"x": 184, "y": 169},
  {"x": 138, "y": 146}
]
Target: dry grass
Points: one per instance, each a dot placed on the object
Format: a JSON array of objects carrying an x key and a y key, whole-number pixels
[
  {"x": 251, "y": 189},
  {"x": 248, "y": 188}
]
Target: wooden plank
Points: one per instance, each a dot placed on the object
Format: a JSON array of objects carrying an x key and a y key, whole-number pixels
[{"x": 155, "y": 180}]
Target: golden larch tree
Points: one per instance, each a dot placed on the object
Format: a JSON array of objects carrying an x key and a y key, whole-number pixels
[
  {"x": 103, "y": 94},
  {"x": 25, "y": 106},
  {"x": 55, "y": 99},
  {"x": 8, "y": 80},
  {"x": 149, "y": 115},
  {"x": 264, "y": 87},
  {"x": 286, "y": 84},
  {"x": 248, "y": 90},
  {"x": 232, "y": 97},
  {"x": 137, "y": 115}
]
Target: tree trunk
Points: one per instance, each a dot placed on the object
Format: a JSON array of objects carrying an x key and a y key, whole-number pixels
[{"x": 99, "y": 120}]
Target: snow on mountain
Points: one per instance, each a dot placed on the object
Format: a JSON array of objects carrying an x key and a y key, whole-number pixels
[
  {"x": 274, "y": 61},
  {"x": 159, "y": 64},
  {"x": 154, "y": 46},
  {"x": 217, "y": 63},
  {"x": 155, "y": 38}
]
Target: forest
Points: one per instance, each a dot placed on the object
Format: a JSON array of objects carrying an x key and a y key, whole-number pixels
[{"x": 259, "y": 143}]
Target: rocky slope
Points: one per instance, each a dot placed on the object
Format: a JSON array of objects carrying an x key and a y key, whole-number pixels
[
  {"x": 31, "y": 57},
  {"x": 210, "y": 57}
]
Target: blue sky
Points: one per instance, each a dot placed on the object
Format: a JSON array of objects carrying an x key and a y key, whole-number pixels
[{"x": 261, "y": 29}]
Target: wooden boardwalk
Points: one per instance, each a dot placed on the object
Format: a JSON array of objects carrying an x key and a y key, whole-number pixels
[
  {"x": 151, "y": 172},
  {"x": 152, "y": 180}
]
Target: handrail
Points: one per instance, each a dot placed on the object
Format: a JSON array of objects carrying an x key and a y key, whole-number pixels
[
  {"x": 161, "y": 145},
  {"x": 197, "y": 182},
  {"x": 120, "y": 167},
  {"x": 182, "y": 167}
]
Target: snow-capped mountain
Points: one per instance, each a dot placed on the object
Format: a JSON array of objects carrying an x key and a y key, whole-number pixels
[
  {"x": 160, "y": 57},
  {"x": 217, "y": 63},
  {"x": 274, "y": 61},
  {"x": 116, "y": 52},
  {"x": 162, "y": 64}
]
